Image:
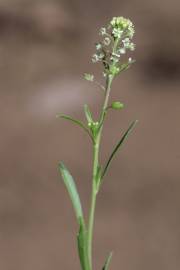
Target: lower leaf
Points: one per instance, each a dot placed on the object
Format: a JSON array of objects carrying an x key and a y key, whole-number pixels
[
  {"x": 82, "y": 245},
  {"x": 107, "y": 263}
]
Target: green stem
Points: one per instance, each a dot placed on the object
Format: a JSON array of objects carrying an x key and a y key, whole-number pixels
[
  {"x": 96, "y": 147},
  {"x": 93, "y": 204}
]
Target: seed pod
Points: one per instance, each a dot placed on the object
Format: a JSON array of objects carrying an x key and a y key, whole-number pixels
[{"x": 116, "y": 105}]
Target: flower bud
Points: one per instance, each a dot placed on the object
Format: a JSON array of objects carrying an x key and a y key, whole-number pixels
[
  {"x": 116, "y": 105},
  {"x": 114, "y": 70}
]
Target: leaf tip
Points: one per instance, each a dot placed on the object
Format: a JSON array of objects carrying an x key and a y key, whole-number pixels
[
  {"x": 135, "y": 122},
  {"x": 107, "y": 262},
  {"x": 61, "y": 166}
]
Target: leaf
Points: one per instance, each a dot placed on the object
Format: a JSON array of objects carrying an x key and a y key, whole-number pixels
[
  {"x": 75, "y": 121},
  {"x": 107, "y": 263},
  {"x": 72, "y": 190},
  {"x": 82, "y": 245},
  {"x": 88, "y": 114},
  {"x": 124, "y": 137}
]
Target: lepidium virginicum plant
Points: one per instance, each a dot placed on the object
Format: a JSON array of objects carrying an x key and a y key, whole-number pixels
[{"x": 116, "y": 42}]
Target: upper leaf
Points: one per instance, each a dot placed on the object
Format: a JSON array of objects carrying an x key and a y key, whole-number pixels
[
  {"x": 72, "y": 190},
  {"x": 88, "y": 114},
  {"x": 124, "y": 137},
  {"x": 75, "y": 121}
]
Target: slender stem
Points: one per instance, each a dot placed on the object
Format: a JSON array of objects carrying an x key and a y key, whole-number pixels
[
  {"x": 96, "y": 147},
  {"x": 93, "y": 203}
]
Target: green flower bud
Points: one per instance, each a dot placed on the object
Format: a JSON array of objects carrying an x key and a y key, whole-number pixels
[
  {"x": 114, "y": 70},
  {"x": 116, "y": 105},
  {"x": 119, "y": 24}
]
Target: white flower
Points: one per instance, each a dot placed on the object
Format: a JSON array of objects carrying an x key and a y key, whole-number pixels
[
  {"x": 107, "y": 41},
  {"x": 115, "y": 57},
  {"x": 117, "y": 32},
  {"x": 126, "y": 42},
  {"x": 122, "y": 50},
  {"x": 101, "y": 55},
  {"x": 95, "y": 58},
  {"x": 113, "y": 21},
  {"x": 131, "y": 32},
  {"x": 128, "y": 45},
  {"x": 98, "y": 46},
  {"x": 103, "y": 31},
  {"x": 116, "y": 54},
  {"x": 132, "y": 46},
  {"x": 104, "y": 74},
  {"x": 130, "y": 61}
]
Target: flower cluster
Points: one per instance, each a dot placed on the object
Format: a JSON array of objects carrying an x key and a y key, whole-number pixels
[
  {"x": 117, "y": 40},
  {"x": 121, "y": 25}
]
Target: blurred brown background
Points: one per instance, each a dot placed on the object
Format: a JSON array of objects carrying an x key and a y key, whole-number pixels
[{"x": 45, "y": 47}]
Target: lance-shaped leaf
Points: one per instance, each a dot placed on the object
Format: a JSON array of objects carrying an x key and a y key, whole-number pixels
[
  {"x": 75, "y": 121},
  {"x": 124, "y": 137},
  {"x": 88, "y": 114},
  {"x": 72, "y": 190},
  {"x": 107, "y": 263},
  {"x": 82, "y": 245}
]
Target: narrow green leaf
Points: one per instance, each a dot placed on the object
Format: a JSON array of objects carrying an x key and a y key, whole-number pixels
[
  {"x": 72, "y": 190},
  {"x": 124, "y": 137},
  {"x": 75, "y": 121},
  {"x": 82, "y": 245},
  {"x": 88, "y": 114},
  {"x": 107, "y": 263}
]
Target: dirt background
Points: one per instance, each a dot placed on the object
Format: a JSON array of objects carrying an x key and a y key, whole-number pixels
[{"x": 45, "y": 47}]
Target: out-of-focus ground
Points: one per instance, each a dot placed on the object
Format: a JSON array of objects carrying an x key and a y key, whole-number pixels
[{"x": 45, "y": 47}]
